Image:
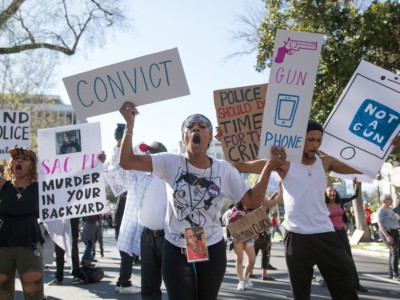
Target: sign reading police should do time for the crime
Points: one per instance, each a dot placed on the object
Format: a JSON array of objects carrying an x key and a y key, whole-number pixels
[
  {"x": 240, "y": 114},
  {"x": 360, "y": 129}
]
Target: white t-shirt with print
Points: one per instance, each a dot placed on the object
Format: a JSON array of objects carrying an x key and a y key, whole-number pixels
[{"x": 196, "y": 195}]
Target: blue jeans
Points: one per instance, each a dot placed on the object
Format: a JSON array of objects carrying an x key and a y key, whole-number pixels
[
  {"x": 151, "y": 244},
  {"x": 88, "y": 251}
]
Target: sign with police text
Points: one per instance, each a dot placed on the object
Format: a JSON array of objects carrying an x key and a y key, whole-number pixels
[
  {"x": 15, "y": 129},
  {"x": 250, "y": 225},
  {"x": 71, "y": 182},
  {"x": 142, "y": 80},
  {"x": 239, "y": 114},
  {"x": 290, "y": 91},
  {"x": 365, "y": 120}
]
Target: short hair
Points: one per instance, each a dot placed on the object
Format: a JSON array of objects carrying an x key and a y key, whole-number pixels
[{"x": 385, "y": 197}]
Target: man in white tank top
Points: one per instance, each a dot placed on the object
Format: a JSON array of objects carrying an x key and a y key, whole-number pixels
[{"x": 310, "y": 238}]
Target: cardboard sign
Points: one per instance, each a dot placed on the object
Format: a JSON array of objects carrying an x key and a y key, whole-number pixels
[
  {"x": 239, "y": 114},
  {"x": 116, "y": 188},
  {"x": 71, "y": 182},
  {"x": 356, "y": 237},
  {"x": 290, "y": 91},
  {"x": 365, "y": 120},
  {"x": 142, "y": 80},
  {"x": 15, "y": 129},
  {"x": 250, "y": 225}
]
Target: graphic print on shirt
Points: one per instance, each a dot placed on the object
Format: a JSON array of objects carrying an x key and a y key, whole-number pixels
[{"x": 193, "y": 197}]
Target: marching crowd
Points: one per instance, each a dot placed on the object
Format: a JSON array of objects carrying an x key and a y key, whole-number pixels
[{"x": 172, "y": 219}]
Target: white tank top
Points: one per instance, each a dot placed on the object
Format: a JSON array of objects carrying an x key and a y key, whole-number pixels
[{"x": 304, "y": 199}]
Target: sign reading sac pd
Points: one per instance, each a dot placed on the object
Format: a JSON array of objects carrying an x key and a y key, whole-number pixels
[{"x": 142, "y": 80}]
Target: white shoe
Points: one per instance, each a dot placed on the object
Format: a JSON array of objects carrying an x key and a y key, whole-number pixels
[
  {"x": 248, "y": 282},
  {"x": 129, "y": 290},
  {"x": 241, "y": 286}
]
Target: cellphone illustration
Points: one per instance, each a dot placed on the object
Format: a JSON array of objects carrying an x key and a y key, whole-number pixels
[{"x": 286, "y": 110}]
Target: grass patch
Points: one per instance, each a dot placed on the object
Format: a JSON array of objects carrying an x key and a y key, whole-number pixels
[{"x": 371, "y": 246}]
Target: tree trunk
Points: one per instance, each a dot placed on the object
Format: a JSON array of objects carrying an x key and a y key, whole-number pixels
[{"x": 361, "y": 224}]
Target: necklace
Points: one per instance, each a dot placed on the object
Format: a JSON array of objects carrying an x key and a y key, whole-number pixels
[
  {"x": 198, "y": 185},
  {"x": 18, "y": 190},
  {"x": 309, "y": 169}
]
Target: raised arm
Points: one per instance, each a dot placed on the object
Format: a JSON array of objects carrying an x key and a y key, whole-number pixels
[
  {"x": 275, "y": 198},
  {"x": 127, "y": 159},
  {"x": 332, "y": 164},
  {"x": 354, "y": 196}
]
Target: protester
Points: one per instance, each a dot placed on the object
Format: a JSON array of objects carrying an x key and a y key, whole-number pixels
[
  {"x": 397, "y": 208},
  {"x": 98, "y": 237},
  {"x": 71, "y": 228},
  {"x": 20, "y": 234},
  {"x": 263, "y": 242},
  {"x": 242, "y": 247},
  {"x": 275, "y": 225},
  {"x": 142, "y": 223},
  {"x": 226, "y": 214},
  {"x": 310, "y": 238},
  {"x": 389, "y": 231},
  {"x": 336, "y": 213},
  {"x": 198, "y": 184},
  {"x": 368, "y": 216}
]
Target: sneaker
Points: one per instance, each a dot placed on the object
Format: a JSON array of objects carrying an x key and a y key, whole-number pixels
[
  {"x": 241, "y": 286},
  {"x": 77, "y": 280},
  {"x": 252, "y": 276},
  {"x": 129, "y": 289},
  {"x": 271, "y": 267},
  {"x": 117, "y": 288},
  {"x": 55, "y": 282},
  {"x": 248, "y": 282}
]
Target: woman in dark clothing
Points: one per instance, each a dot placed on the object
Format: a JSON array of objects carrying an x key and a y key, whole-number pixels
[
  {"x": 338, "y": 217},
  {"x": 20, "y": 235}
]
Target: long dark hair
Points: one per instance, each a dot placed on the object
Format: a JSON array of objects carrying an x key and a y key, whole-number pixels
[{"x": 337, "y": 198}]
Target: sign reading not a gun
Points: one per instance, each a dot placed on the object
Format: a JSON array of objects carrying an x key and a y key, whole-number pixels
[{"x": 250, "y": 225}]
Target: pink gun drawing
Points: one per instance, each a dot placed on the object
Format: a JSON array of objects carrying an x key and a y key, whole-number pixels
[{"x": 290, "y": 46}]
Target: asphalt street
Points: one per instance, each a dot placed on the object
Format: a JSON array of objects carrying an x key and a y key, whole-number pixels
[{"x": 372, "y": 269}]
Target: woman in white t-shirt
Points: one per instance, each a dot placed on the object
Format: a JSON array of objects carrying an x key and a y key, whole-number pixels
[{"x": 198, "y": 184}]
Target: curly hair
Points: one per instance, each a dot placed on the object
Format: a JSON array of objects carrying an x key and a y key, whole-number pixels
[{"x": 9, "y": 175}]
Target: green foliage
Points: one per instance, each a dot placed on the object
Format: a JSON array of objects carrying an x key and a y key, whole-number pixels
[{"x": 354, "y": 31}]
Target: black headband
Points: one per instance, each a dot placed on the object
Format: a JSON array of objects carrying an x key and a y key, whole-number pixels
[{"x": 314, "y": 125}]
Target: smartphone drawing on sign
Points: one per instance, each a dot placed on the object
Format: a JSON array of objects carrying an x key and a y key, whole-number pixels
[{"x": 286, "y": 110}]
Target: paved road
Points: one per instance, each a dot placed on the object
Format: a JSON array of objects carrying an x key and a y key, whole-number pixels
[{"x": 371, "y": 268}]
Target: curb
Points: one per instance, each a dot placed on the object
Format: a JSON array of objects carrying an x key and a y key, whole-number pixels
[{"x": 370, "y": 253}]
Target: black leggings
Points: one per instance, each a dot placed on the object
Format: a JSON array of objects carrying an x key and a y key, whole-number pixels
[{"x": 193, "y": 281}]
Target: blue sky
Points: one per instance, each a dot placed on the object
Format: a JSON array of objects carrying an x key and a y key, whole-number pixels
[{"x": 201, "y": 30}]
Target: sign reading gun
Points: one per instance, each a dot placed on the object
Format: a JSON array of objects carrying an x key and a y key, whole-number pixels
[{"x": 290, "y": 46}]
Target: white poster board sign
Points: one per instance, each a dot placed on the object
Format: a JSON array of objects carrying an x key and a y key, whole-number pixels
[
  {"x": 290, "y": 91},
  {"x": 71, "y": 182},
  {"x": 15, "y": 129},
  {"x": 116, "y": 188},
  {"x": 365, "y": 120},
  {"x": 142, "y": 80}
]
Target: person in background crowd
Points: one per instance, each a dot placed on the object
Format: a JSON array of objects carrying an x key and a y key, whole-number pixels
[
  {"x": 389, "y": 231},
  {"x": 368, "y": 216},
  {"x": 264, "y": 243},
  {"x": 20, "y": 234},
  {"x": 349, "y": 220},
  {"x": 198, "y": 185},
  {"x": 98, "y": 237},
  {"x": 145, "y": 216},
  {"x": 226, "y": 214},
  {"x": 397, "y": 208},
  {"x": 336, "y": 213},
  {"x": 275, "y": 225},
  {"x": 242, "y": 247}
]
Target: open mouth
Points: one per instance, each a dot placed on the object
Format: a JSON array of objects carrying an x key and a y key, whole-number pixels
[
  {"x": 196, "y": 139},
  {"x": 18, "y": 167}
]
